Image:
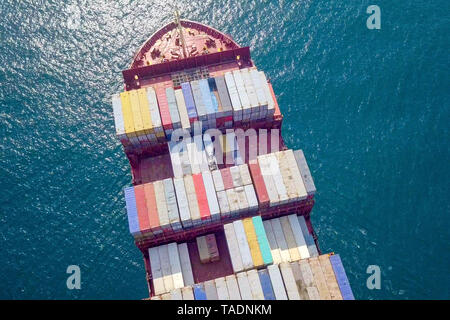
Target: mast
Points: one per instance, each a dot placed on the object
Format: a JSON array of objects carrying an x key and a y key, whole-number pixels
[{"x": 180, "y": 32}]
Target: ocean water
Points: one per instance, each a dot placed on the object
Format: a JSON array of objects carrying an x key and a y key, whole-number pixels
[{"x": 370, "y": 109}]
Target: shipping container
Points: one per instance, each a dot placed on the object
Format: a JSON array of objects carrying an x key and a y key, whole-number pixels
[
  {"x": 341, "y": 277},
  {"x": 206, "y": 94},
  {"x": 242, "y": 198},
  {"x": 259, "y": 89},
  {"x": 252, "y": 241},
  {"x": 154, "y": 112},
  {"x": 269, "y": 183},
  {"x": 165, "y": 267},
  {"x": 299, "y": 185},
  {"x": 233, "y": 202},
  {"x": 162, "y": 206},
  {"x": 244, "y": 249},
  {"x": 287, "y": 176},
  {"x": 268, "y": 94},
  {"x": 236, "y": 176},
  {"x": 210, "y": 290},
  {"x": 213, "y": 250},
  {"x": 146, "y": 115},
  {"x": 330, "y": 278},
  {"x": 137, "y": 118},
  {"x": 277, "y": 178},
  {"x": 313, "y": 293},
  {"x": 182, "y": 110},
  {"x": 234, "y": 96},
  {"x": 174, "y": 151},
  {"x": 251, "y": 94},
  {"x": 244, "y": 286},
  {"x": 199, "y": 102},
  {"x": 223, "y": 204},
  {"x": 192, "y": 154},
  {"x": 175, "y": 294},
  {"x": 173, "y": 108},
  {"x": 233, "y": 288},
  {"x": 266, "y": 285},
  {"x": 203, "y": 251},
  {"x": 319, "y": 278},
  {"x": 301, "y": 285},
  {"x": 260, "y": 188},
  {"x": 202, "y": 199},
  {"x": 243, "y": 97},
  {"x": 163, "y": 108},
  {"x": 172, "y": 206},
  {"x": 200, "y": 154},
  {"x": 312, "y": 249},
  {"x": 128, "y": 119},
  {"x": 274, "y": 249},
  {"x": 166, "y": 296},
  {"x": 211, "y": 196},
  {"x": 289, "y": 281},
  {"x": 298, "y": 235},
  {"x": 189, "y": 101},
  {"x": 118, "y": 120},
  {"x": 218, "y": 181},
  {"x": 156, "y": 271},
  {"x": 262, "y": 240},
  {"x": 224, "y": 96},
  {"x": 141, "y": 206},
  {"x": 290, "y": 240},
  {"x": 183, "y": 203},
  {"x": 222, "y": 291},
  {"x": 187, "y": 293},
  {"x": 281, "y": 240},
  {"x": 175, "y": 265},
  {"x": 133, "y": 221},
  {"x": 255, "y": 285},
  {"x": 245, "y": 174},
  {"x": 185, "y": 262},
  {"x": 304, "y": 171},
  {"x": 153, "y": 216},
  {"x": 277, "y": 282},
  {"x": 233, "y": 248},
  {"x": 308, "y": 278},
  {"x": 199, "y": 291},
  {"x": 251, "y": 197}
]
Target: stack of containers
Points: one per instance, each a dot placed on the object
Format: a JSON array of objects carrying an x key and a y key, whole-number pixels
[
  {"x": 247, "y": 244},
  {"x": 207, "y": 248},
  {"x": 189, "y": 101},
  {"x": 225, "y": 102},
  {"x": 243, "y": 97},
  {"x": 234, "y": 97},
  {"x": 173, "y": 108}
]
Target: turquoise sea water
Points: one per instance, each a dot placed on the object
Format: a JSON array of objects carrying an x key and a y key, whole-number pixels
[{"x": 370, "y": 108}]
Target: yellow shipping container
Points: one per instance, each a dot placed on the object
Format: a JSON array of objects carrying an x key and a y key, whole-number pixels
[
  {"x": 127, "y": 114},
  {"x": 252, "y": 240},
  {"x": 136, "y": 111}
]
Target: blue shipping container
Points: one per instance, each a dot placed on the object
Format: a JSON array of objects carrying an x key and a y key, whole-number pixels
[
  {"x": 341, "y": 277},
  {"x": 199, "y": 291},
  {"x": 206, "y": 94},
  {"x": 133, "y": 221},
  {"x": 189, "y": 100},
  {"x": 266, "y": 284}
]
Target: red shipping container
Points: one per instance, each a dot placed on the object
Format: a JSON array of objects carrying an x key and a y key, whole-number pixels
[
  {"x": 151, "y": 206},
  {"x": 212, "y": 247},
  {"x": 163, "y": 107},
  {"x": 258, "y": 182},
  {"x": 201, "y": 197},
  {"x": 227, "y": 179},
  {"x": 141, "y": 206}
]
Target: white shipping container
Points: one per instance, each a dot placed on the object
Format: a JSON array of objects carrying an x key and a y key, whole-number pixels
[
  {"x": 313, "y": 293},
  {"x": 257, "y": 83},
  {"x": 244, "y": 249},
  {"x": 182, "y": 110},
  {"x": 274, "y": 249},
  {"x": 223, "y": 204},
  {"x": 175, "y": 159},
  {"x": 161, "y": 205},
  {"x": 166, "y": 296},
  {"x": 183, "y": 203},
  {"x": 185, "y": 262},
  {"x": 301, "y": 286},
  {"x": 244, "y": 286},
  {"x": 251, "y": 93},
  {"x": 175, "y": 265},
  {"x": 245, "y": 102},
  {"x": 233, "y": 288},
  {"x": 118, "y": 117},
  {"x": 222, "y": 291},
  {"x": 236, "y": 176},
  {"x": 290, "y": 240},
  {"x": 218, "y": 181},
  {"x": 172, "y": 206},
  {"x": 268, "y": 180},
  {"x": 242, "y": 198},
  {"x": 245, "y": 175},
  {"x": 251, "y": 197},
  {"x": 192, "y": 199},
  {"x": 234, "y": 96},
  {"x": 277, "y": 178},
  {"x": 155, "y": 266},
  {"x": 203, "y": 251},
  {"x": 299, "y": 184},
  {"x": 281, "y": 240},
  {"x": 255, "y": 285},
  {"x": 165, "y": 267},
  {"x": 191, "y": 150},
  {"x": 298, "y": 235},
  {"x": 277, "y": 282},
  {"x": 211, "y": 196},
  {"x": 286, "y": 174},
  {"x": 289, "y": 281},
  {"x": 187, "y": 293},
  {"x": 200, "y": 155},
  {"x": 233, "y": 248},
  {"x": 176, "y": 294},
  {"x": 270, "y": 102},
  {"x": 307, "y": 273},
  {"x": 233, "y": 202},
  {"x": 210, "y": 290}
]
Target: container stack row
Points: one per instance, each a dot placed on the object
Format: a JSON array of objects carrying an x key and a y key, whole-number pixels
[
  {"x": 248, "y": 244},
  {"x": 171, "y": 268},
  {"x": 316, "y": 278},
  {"x": 148, "y": 116}
]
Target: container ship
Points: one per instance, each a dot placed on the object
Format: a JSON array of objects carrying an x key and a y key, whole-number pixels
[{"x": 219, "y": 206}]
